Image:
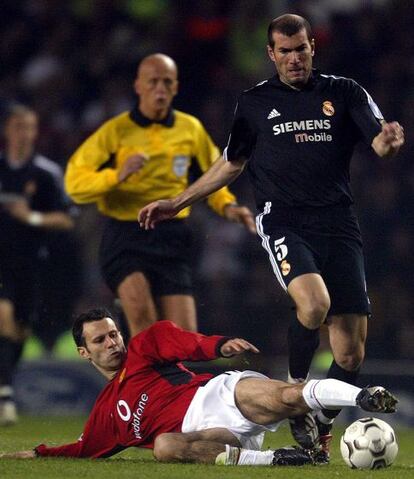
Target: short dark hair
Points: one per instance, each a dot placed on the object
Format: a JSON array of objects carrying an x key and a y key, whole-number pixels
[
  {"x": 88, "y": 317},
  {"x": 16, "y": 109},
  {"x": 288, "y": 25}
]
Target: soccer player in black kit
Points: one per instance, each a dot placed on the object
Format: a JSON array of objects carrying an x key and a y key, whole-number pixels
[
  {"x": 32, "y": 202},
  {"x": 296, "y": 133}
]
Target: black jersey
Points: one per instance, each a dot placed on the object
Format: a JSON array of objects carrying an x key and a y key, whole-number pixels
[
  {"x": 299, "y": 142},
  {"x": 39, "y": 181}
]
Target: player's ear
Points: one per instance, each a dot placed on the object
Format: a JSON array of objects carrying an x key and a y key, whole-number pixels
[
  {"x": 270, "y": 53},
  {"x": 136, "y": 86},
  {"x": 312, "y": 43},
  {"x": 176, "y": 85},
  {"x": 83, "y": 352}
]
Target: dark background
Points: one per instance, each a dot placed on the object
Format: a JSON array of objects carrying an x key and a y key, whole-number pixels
[{"x": 75, "y": 62}]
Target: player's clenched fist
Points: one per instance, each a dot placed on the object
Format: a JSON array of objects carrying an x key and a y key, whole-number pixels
[
  {"x": 133, "y": 164},
  {"x": 389, "y": 140},
  {"x": 155, "y": 212}
]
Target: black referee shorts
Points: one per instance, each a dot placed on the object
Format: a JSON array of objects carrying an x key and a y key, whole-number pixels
[
  {"x": 327, "y": 242},
  {"x": 162, "y": 255}
]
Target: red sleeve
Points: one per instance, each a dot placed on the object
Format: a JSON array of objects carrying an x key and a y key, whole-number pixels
[
  {"x": 166, "y": 342},
  {"x": 95, "y": 442}
]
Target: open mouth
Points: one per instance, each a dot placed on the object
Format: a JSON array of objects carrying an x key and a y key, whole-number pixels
[{"x": 296, "y": 71}]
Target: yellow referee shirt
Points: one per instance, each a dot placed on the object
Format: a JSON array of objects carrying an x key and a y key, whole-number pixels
[{"x": 170, "y": 145}]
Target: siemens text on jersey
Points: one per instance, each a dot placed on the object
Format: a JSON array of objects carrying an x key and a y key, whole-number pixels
[{"x": 304, "y": 126}]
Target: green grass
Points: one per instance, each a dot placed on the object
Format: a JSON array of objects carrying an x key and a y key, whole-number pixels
[{"x": 134, "y": 463}]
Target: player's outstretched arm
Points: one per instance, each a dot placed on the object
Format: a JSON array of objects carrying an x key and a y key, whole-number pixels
[
  {"x": 389, "y": 140},
  {"x": 220, "y": 174},
  {"x": 19, "y": 455}
]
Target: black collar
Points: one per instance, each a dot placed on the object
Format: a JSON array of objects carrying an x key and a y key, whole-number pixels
[
  {"x": 275, "y": 80},
  {"x": 142, "y": 120},
  {"x": 21, "y": 167}
]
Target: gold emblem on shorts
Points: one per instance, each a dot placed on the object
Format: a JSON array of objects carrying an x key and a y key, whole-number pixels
[
  {"x": 328, "y": 108},
  {"x": 285, "y": 267}
]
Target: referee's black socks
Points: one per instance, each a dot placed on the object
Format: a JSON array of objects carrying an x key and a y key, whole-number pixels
[{"x": 302, "y": 344}]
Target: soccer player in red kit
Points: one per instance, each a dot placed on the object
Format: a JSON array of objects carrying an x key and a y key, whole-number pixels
[{"x": 153, "y": 401}]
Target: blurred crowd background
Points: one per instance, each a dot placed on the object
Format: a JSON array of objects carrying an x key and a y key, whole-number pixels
[{"x": 74, "y": 61}]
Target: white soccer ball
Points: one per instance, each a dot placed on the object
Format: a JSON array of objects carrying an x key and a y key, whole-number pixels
[{"x": 369, "y": 443}]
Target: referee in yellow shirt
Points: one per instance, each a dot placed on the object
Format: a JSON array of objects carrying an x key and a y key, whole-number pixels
[{"x": 133, "y": 159}]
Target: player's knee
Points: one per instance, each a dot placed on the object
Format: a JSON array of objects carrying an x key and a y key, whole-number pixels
[
  {"x": 292, "y": 399},
  {"x": 166, "y": 448},
  {"x": 351, "y": 361},
  {"x": 7, "y": 322},
  {"x": 313, "y": 311}
]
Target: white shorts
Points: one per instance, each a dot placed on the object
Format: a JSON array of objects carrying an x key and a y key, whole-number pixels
[{"x": 214, "y": 406}]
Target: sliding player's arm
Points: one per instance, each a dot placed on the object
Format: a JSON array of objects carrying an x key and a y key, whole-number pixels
[
  {"x": 97, "y": 441},
  {"x": 166, "y": 342}
]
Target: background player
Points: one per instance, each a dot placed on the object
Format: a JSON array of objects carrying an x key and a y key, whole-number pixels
[
  {"x": 31, "y": 202},
  {"x": 152, "y": 400},
  {"x": 296, "y": 132},
  {"x": 132, "y": 159}
]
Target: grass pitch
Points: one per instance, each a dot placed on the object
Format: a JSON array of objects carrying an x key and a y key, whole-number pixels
[{"x": 135, "y": 463}]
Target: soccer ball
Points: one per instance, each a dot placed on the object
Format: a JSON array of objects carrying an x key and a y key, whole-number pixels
[{"x": 369, "y": 443}]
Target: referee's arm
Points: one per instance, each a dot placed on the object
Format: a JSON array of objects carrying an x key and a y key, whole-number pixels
[{"x": 221, "y": 173}]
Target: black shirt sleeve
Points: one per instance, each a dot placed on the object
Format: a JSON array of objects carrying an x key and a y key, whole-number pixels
[
  {"x": 51, "y": 196},
  {"x": 242, "y": 137},
  {"x": 364, "y": 111}
]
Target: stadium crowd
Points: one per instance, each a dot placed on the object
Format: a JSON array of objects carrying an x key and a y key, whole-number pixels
[{"x": 74, "y": 63}]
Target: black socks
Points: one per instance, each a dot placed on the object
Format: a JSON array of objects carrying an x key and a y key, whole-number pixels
[
  {"x": 7, "y": 355},
  {"x": 302, "y": 343}
]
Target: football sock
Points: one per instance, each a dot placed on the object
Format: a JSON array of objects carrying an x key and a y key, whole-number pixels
[
  {"x": 336, "y": 372},
  {"x": 229, "y": 457},
  {"x": 234, "y": 456},
  {"x": 329, "y": 394},
  {"x": 302, "y": 344},
  {"x": 323, "y": 419},
  {"x": 17, "y": 352},
  {"x": 6, "y": 362},
  {"x": 255, "y": 458}
]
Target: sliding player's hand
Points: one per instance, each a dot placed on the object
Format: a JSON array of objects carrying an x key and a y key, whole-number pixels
[
  {"x": 19, "y": 455},
  {"x": 155, "y": 212},
  {"x": 236, "y": 346}
]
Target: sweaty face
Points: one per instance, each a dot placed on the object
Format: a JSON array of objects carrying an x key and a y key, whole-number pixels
[
  {"x": 156, "y": 84},
  {"x": 21, "y": 129},
  {"x": 104, "y": 345},
  {"x": 292, "y": 57}
]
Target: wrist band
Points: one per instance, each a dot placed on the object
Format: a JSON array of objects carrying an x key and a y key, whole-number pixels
[{"x": 35, "y": 218}]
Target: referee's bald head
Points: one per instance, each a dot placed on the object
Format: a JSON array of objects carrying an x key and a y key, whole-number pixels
[
  {"x": 156, "y": 85},
  {"x": 157, "y": 60}
]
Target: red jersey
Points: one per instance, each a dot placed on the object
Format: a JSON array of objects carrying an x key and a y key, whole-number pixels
[{"x": 150, "y": 394}]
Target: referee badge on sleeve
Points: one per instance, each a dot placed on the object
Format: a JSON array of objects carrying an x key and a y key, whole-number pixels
[{"x": 180, "y": 165}]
